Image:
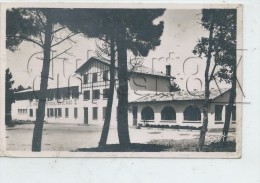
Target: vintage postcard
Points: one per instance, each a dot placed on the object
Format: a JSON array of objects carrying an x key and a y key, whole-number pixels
[{"x": 121, "y": 80}]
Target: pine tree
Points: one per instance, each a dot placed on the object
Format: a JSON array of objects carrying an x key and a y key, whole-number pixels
[
  {"x": 39, "y": 26},
  {"x": 9, "y": 96},
  {"x": 133, "y": 30},
  {"x": 220, "y": 46}
]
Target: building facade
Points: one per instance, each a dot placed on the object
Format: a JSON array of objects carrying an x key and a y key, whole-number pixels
[
  {"x": 183, "y": 109},
  {"x": 150, "y": 100}
]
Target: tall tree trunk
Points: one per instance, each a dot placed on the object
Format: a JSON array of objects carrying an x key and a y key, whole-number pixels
[
  {"x": 122, "y": 122},
  {"x": 37, "y": 132},
  {"x": 104, "y": 135},
  {"x": 229, "y": 107},
  {"x": 207, "y": 93}
]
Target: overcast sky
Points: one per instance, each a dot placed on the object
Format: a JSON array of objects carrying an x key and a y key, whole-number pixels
[{"x": 182, "y": 30}]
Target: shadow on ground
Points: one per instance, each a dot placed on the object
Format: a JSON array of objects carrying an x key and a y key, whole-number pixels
[
  {"x": 163, "y": 145},
  {"x": 134, "y": 147},
  {"x": 219, "y": 147}
]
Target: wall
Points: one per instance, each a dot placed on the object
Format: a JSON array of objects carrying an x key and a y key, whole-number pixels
[
  {"x": 179, "y": 107},
  {"x": 26, "y": 104},
  {"x": 142, "y": 82}
]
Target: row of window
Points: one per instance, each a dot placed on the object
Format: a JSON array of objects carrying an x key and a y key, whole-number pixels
[
  {"x": 87, "y": 78},
  {"x": 95, "y": 113},
  {"x": 57, "y": 112},
  {"x": 191, "y": 113},
  {"x": 219, "y": 112},
  {"x": 22, "y": 111},
  {"x": 96, "y": 94}
]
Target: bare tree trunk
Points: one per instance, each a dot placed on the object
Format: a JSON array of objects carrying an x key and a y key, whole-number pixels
[
  {"x": 37, "y": 132},
  {"x": 104, "y": 135},
  {"x": 207, "y": 93},
  {"x": 122, "y": 122},
  {"x": 229, "y": 108}
]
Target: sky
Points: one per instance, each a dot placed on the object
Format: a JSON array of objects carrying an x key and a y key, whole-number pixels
[{"x": 182, "y": 30}]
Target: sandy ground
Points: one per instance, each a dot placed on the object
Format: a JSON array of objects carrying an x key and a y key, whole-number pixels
[{"x": 68, "y": 137}]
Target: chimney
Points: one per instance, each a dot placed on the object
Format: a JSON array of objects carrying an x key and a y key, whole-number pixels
[{"x": 168, "y": 70}]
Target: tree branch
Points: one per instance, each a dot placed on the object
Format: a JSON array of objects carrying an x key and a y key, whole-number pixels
[
  {"x": 41, "y": 39},
  {"x": 66, "y": 38},
  {"x": 27, "y": 39},
  {"x": 212, "y": 72},
  {"x": 61, "y": 53},
  {"x": 40, "y": 19},
  {"x": 57, "y": 30}
]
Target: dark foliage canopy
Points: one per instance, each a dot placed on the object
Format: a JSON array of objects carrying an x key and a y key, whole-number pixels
[
  {"x": 134, "y": 26},
  {"x": 224, "y": 40},
  {"x": 28, "y": 24}
]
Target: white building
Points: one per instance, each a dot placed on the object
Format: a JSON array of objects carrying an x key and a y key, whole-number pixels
[
  {"x": 183, "y": 109},
  {"x": 150, "y": 100}
]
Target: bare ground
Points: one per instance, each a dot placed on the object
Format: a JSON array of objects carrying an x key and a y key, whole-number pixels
[{"x": 72, "y": 137}]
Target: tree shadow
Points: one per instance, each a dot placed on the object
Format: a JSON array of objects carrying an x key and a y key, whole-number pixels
[
  {"x": 220, "y": 147},
  {"x": 133, "y": 147}
]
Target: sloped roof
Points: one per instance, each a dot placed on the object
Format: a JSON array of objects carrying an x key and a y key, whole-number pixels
[
  {"x": 180, "y": 96},
  {"x": 81, "y": 69},
  {"x": 138, "y": 69},
  {"x": 146, "y": 70}
]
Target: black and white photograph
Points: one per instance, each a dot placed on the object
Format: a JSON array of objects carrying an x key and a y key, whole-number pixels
[{"x": 122, "y": 81}]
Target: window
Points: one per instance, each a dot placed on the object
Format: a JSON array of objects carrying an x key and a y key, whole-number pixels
[
  {"x": 66, "y": 112},
  {"x": 234, "y": 113},
  {"x": 57, "y": 112},
  {"x": 31, "y": 112},
  {"x": 218, "y": 112},
  {"x": 96, "y": 94},
  {"x": 94, "y": 77},
  {"x": 86, "y": 95},
  {"x": 105, "y": 76},
  {"x": 192, "y": 113},
  {"x": 105, "y": 93},
  {"x": 168, "y": 113},
  {"x": 51, "y": 112},
  {"x": 85, "y": 78},
  {"x": 104, "y": 112},
  {"x": 95, "y": 113},
  {"x": 24, "y": 111},
  {"x": 75, "y": 112},
  {"x": 147, "y": 113}
]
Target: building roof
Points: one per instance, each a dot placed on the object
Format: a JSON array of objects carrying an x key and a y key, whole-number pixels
[
  {"x": 81, "y": 69},
  {"x": 63, "y": 92},
  {"x": 180, "y": 96},
  {"x": 146, "y": 70},
  {"x": 131, "y": 69}
]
